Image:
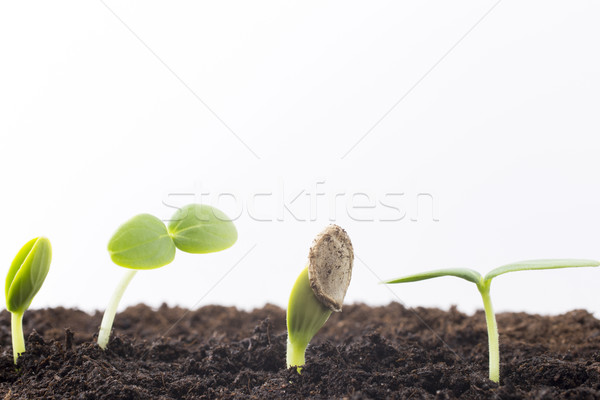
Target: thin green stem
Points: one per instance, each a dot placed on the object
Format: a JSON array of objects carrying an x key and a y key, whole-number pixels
[
  {"x": 295, "y": 354},
  {"x": 492, "y": 327},
  {"x": 111, "y": 310},
  {"x": 18, "y": 339}
]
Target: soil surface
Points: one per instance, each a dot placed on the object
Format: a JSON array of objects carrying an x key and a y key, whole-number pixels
[{"x": 362, "y": 353}]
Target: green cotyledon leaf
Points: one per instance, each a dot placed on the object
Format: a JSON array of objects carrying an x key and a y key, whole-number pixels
[
  {"x": 143, "y": 242},
  {"x": 27, "y": 273},
  {"x": 305, "y": 316},
  {"x": 464, "y": 273},
  {"x": 198, "y": 228},
  {"x": 305, "y": 313},
  {"x": 529, "y": 265}
]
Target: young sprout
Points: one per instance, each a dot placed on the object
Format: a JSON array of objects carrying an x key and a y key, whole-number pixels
[
  {"x": 144, "y": 242},
  {"x": 319, "y": 290},
  {"x": 25, "y": 278},
  {"x": 484, "y": 283}
]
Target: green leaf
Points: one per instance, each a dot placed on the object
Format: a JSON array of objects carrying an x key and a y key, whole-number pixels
[
  {"x": 142, "y": 243},
  {"x": 16, "y": 264},
  {"x": 305, "y": 316},
  {"x": 540, "y": 264},
  {"x": 198, "y": 228},
  {"x": 27, "y": 273},
  {"x": 465, "y": 273}
]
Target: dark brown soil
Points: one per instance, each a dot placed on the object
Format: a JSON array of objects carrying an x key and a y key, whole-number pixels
[{"x": 362, "y": 353}]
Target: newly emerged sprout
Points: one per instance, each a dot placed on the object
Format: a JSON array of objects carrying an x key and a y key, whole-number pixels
[
  {"x": 25, "y": 278},
  {"x": 483, "y": 284},
  {"x": 319, "y": 290},
  {"x": 144, "y": 242}
]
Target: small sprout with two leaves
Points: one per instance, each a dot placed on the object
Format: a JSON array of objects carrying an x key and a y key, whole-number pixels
[
  {"x": 145, "y": 242},
  {"x": 483, "y": 285},
  {"x": 319, "y": 290},
  {"x": 25, "y": 278}
]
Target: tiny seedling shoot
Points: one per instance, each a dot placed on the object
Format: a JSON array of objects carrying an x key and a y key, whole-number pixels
[
  {"x": 25, "y": 278},
  {"x": 145, "y": 242},
  {"x": 319, "y": 290},
  {"x": 484, "y": 283}
]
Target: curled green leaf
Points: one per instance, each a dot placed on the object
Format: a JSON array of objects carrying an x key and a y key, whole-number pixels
[
  {"x": 142, "y": 243},
  {"x": 305, "y": 316},
  {"x": 27, "y": 273},
  {"x": 198, "y": 228},
  {"x": 25, "y": 278}
]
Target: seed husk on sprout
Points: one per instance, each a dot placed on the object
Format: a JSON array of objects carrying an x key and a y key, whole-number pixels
[{"x": 319, "y": 290}]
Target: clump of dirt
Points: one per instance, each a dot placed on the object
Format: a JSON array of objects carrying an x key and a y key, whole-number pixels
[{"x": 362, "y": 353}]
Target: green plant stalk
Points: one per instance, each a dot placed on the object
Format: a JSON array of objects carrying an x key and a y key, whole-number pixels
[
  {"x": 295, "y": 354},
  {"x": 110, "y": 312},
  {"x": 492, "y": 328},
  {"x": 18, "y": 339}
]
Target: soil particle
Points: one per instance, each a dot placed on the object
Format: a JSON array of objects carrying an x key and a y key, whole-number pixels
[{"x": 362, "y": 353}]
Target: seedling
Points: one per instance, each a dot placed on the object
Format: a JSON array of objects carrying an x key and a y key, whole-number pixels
[
  {"x": 144, "y": 242},
  {"x": 25, "y": 278},
  {"x": 484, "y": 283},
  {"x": 319, "y": 290}
]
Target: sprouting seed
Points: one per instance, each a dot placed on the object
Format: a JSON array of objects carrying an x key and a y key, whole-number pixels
[
  {"x": 25, "y": 278},
  {"x": 144, "y": 242},
  {"x": 483, "y": 285},
  {"x": 319, "y": 290}
]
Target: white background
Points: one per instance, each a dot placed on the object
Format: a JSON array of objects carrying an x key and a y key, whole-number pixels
[{"x": 102, "y": 118}]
